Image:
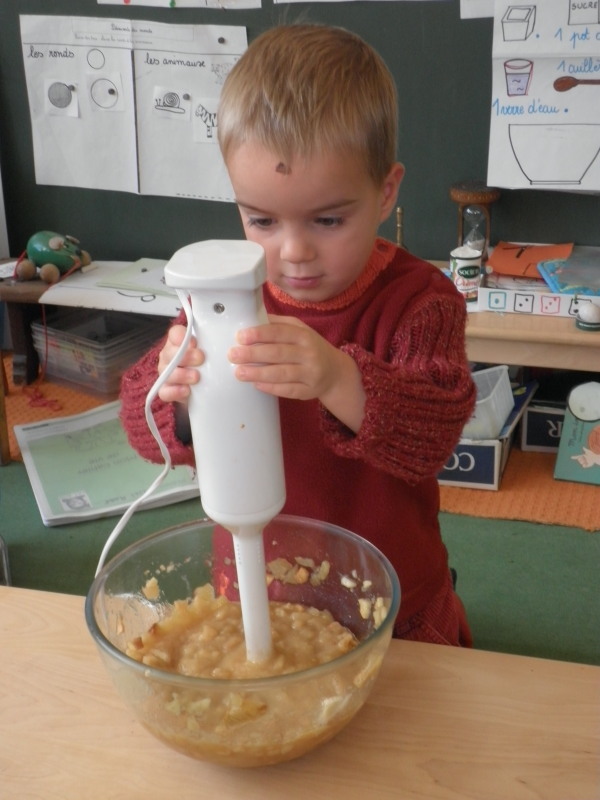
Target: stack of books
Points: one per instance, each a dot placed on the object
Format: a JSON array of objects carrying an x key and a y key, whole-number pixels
[
  {"x": 577, "y": 274},
  {"x": 549, "y": 280}
]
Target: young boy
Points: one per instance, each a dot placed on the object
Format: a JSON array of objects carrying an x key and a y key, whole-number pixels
[{"x": 365, "y": 346}]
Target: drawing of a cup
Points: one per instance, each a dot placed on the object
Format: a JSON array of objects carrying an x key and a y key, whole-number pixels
[{"x": 518, "y": 75}]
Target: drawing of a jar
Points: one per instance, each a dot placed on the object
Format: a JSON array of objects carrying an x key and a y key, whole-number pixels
[{"x": 581, "y": 13}]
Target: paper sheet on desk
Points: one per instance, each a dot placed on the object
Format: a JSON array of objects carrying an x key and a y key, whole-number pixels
[
  {"x": 89, "y": 290},
  {"x": 7, "y": 270},
  {"x": 521, "y": 260},
  {"x": 146, "y": 275}
]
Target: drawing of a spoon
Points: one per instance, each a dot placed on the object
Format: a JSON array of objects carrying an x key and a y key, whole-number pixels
[{"x": 568, "y": 82}]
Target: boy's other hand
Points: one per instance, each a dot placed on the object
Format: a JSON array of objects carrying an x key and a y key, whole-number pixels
[
  {"x": 177, "y": 387},
  {"x": 285, "y": 358},
  {"x": 289, "y": 359}
]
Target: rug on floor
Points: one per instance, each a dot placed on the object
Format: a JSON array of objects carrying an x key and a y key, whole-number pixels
[{"x": 529, "y": 492}]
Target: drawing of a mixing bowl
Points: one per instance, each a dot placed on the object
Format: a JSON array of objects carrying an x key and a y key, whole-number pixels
[{"x": 549, "y": 153}]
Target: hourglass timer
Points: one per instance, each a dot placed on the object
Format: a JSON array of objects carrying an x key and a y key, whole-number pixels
[{"x": 474, "y": 202}]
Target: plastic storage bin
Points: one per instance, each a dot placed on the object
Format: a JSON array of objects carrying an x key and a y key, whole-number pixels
[
  {"x": 90, "y": 350},
  {"x": 494, "y": 403}
]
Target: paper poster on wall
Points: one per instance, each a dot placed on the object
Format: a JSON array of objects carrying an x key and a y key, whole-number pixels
[
  {"x": 175, "y": 4},
  {"x": 470, "y": 9},
  {"x": 73, "y": 67},
  {"x": 113, "y": 103},
  {"x": 345, "y": 1},
  {"x": 177, "y": 87},
  {"x": 545, "y": 112}
]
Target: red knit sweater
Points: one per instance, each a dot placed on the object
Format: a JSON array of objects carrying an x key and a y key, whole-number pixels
[{"x": 403, "y": 323}]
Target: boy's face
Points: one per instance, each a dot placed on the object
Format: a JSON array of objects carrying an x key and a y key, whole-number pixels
[{"x": 316, "y": 219}]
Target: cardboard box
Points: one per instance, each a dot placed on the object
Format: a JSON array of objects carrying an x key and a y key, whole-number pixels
[
  {"x": 479, "y": 463},
  {"x": 578, "y": 456},
  {"x": 541, "y": 426}
]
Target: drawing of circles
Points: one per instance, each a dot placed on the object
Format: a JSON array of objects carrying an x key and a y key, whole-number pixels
[
  {"x": 104, "y": 93},
  {"x": 171, "y": 100},
  {"x": 60, "y": 95},
  {"x": 95, "y": 58}
]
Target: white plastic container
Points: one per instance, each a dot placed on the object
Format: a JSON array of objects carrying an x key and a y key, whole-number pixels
[
  {"x": 90, "y": 350},
  {"x": 495, "y": 401}
]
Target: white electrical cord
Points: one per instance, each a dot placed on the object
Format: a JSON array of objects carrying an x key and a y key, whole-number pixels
[{"x": 154, "y": 430}]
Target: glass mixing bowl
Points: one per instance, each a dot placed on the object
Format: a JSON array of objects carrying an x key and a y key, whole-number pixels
[{"x": 258, "y": 721}]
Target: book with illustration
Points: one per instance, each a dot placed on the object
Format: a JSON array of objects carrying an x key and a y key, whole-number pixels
[
  {"x": 82, "y": 467},
  {"x": 578, "y": 457},
  {"x": 578, "y": 274}
]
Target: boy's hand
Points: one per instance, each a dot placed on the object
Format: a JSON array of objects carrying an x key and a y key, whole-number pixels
[
  {"x": 285, "y": 358},
  {"x": 289, "y": 359},
  {"x": 177, "y": 387}
]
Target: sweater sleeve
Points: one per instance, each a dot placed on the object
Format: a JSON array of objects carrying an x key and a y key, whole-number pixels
[
  {"x": 418, "y": 402},
  {"x": 135, "y": 385}
]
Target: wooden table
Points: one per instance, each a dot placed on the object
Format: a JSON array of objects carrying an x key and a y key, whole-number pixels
[
  {"x": 531, "y": 341},
  {"x": 442, "y": 724}
]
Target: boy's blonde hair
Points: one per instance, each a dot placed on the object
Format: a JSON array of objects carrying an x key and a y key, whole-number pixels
[{"x": 305, "y": 89}]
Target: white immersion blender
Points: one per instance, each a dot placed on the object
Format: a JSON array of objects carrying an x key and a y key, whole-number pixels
[{"x": 235, "y": 428}]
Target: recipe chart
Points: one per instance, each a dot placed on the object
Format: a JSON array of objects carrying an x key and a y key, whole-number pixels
[
  {"x": 545, "y": 108},
  {"x": 128, "y": 105}
]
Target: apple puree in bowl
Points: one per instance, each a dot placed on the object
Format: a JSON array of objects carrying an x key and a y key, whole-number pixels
[
  {"x": 176, "y": 653},
  {"x": 233, "y": 725},
  {"x": 204, "y": 638}
]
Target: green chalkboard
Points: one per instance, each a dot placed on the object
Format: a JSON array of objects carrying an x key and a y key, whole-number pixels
[{"x": 442, "y": 66}]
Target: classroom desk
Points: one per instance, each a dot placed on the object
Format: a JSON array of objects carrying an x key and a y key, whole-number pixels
[
  {"x": 442, "y": 724},
  {"x": 531, "y": 341},
  {"x": 492, "y": 337}
]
